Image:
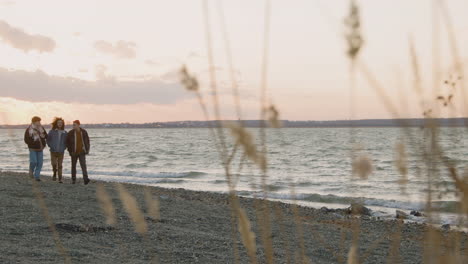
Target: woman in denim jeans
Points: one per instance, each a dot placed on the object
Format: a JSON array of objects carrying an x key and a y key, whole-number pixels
[{"x": 35, "y": 137}]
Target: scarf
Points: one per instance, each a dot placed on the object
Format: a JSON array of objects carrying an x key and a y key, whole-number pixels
[{"x": 36, "y": 133}]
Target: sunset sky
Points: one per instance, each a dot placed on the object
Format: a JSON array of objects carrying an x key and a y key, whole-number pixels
[{"x": 118, "y": 60}]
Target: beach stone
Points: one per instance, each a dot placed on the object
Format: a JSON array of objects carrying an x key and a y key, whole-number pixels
[
  {"x": 416, "y": 213},
  {"x": 358, "y": 209},
  {"x": 401, "y": 215}
]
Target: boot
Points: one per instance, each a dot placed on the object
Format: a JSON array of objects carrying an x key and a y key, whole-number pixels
[
  {"x": 54, "y": 168},
  {"x": 31, "y": 174},
  {"x": 86, "y": 180}
]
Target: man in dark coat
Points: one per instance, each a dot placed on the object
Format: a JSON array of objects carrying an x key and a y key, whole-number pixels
[{"x": 78, "y": 146}]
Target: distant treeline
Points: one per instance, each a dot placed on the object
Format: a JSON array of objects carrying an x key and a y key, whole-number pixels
[{"x": 443, "y": 122}]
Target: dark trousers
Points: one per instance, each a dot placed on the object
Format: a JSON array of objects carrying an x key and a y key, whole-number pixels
[
  {"x": 56, "y": 158},
  {"x": 82, "y": 158}
]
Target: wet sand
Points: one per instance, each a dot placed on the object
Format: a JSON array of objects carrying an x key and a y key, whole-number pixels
[{"x": 195, "y": 227}]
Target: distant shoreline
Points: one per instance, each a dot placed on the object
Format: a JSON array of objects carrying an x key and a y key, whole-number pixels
[{"x": 370, "y": 123}]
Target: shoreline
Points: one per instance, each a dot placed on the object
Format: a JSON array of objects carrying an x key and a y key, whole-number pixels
[
  {"x": 195, "y": 226},
  {"x": 379, "y": 210}
]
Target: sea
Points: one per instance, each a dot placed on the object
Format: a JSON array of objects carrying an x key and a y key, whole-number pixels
[{"x": 307, "y": 166}]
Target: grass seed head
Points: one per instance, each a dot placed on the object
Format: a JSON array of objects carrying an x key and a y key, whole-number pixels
[
  {"x": 131, "y": 206},
  {"x": 362, "y": 166},
  {"x": 106, "y": 204},
  {"x": 189, "y": 81},
  {"x": 245, "y": 139},
  {"x": 152, "y": 205},
  {"x": 273, "y": 116},
  {"x": 248, "y": 237},
  {"x": 401, "y": 162},
  {"x": 353, "y": 31}
]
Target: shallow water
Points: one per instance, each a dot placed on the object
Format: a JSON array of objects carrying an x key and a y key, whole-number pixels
[{"x": 315, "y": 161}]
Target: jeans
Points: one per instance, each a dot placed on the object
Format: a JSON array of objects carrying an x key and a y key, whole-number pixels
[
  {"x": 56, "y": 158},
  {"x": 82, "y": 158},
  {"x": 36, "y": 159}
]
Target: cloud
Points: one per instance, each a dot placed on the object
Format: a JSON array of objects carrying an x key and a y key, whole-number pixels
[
  {"x": 19, "y": 39},
  {"x": 122, "y": 49},
  {"x": 151, "y": 63},
  {"x": 194, "y": 55},
  {"x": 40, "y": 87},
  {"x": 7, "y": 3},
  {"x": 101, "y": 73}
]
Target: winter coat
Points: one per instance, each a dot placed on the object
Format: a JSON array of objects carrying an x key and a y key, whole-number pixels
[
  {"x": 32, "y": 137},
  {"x": 57, "y": 140},
  {"x": 71, "y": 141}
]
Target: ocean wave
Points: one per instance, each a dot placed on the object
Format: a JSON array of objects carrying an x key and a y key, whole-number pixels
[
  {"x": 152, "y": 158},
  {"x": 440, "y": 206}
]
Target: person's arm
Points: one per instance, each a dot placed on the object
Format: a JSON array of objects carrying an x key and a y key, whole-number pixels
[
  {"x": 27, "y": 138},
  {"x": 66, "y": 139},
  {"x": 87, "y": 143},
  {"x": 68, "y": 143},
  {"x": 49, "y": 138},
  {"x": 40, "y": 134}
]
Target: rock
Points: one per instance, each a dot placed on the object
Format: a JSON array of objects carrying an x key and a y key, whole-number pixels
[
  {"x": 446, "y": 227},
  {"x": 401, "y": 215},
  {"x": 416, "y": 213},
  {"x": 358, "y": 209}
]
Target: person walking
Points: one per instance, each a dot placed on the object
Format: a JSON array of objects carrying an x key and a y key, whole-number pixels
[
  {"x": 78, "y": 146},
  {"x": 56, "y": 140},
  {"x": 35, "y": 137}
]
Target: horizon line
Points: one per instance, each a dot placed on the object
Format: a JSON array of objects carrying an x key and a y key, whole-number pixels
[{"x": 259, "y": 120}]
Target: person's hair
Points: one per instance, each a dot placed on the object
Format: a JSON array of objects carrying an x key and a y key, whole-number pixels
[
  {"x": 54, "y": 123},
  {"x": 35, "y": 119},
  {"x": 77, "y": 122}
]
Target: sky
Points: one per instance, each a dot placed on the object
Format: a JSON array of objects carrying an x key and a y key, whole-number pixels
[{"x": 113, "y": 61}]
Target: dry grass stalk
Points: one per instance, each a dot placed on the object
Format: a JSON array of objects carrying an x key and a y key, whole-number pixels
[
  {"x": 417, "y": 83},
  {"x": 106, "y": 204},
  {"x": 353, "y": 257},
  {"x": 362, "y": 166},
  {"x": 464, "y": 197},
  {"x": 401, "y": 163},
  {"x": 353, "y": 31},
  {"x": 456, "y": 55},
  {"x": 248, "y": 237},
  {"x": 229, "y": 57},
  {"x": 189, "y": 81},
  {"x": 245, "y": 139},
  {"x": 416, "y": 69},
  {"x": 45, "y": 212},
  {"x": 379, "y": 89},
  {"x": 282, "y": 231},
  {"x": 152, "y": 205},
  {"x": 273, "y": 116},
  {"x": 131, "y": 206},
  {"x": 262, "y": 211}
]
